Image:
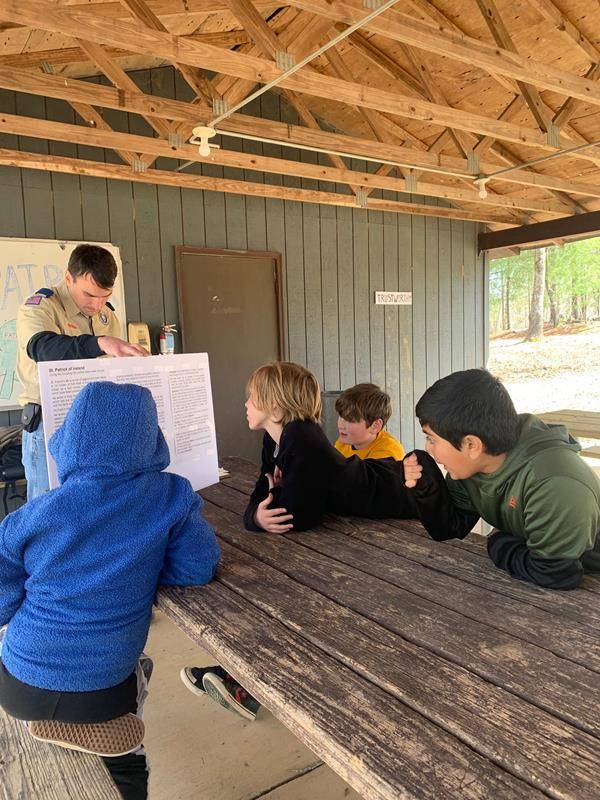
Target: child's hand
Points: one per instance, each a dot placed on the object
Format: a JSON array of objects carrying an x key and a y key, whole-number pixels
[
  {"x": 412, "y": 471},
  {"x": 276, "y": 476},
  {"x": 272, "y": 520}
]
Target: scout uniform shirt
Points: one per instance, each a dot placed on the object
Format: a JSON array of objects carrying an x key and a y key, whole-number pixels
[{"x": 54, "y": 310}]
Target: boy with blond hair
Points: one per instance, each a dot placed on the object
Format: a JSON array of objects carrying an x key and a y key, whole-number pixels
[{"x": 302, "y": 478}]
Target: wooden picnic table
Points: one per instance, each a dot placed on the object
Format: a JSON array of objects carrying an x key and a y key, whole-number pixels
[
  {"x": 414, "y": 668},
  {"x": 578, "y": 423}
]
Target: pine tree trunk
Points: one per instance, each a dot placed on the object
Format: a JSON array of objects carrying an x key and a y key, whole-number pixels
[
  {"x": 553, "y": 299},
  {"x": 536, "y": 309}
]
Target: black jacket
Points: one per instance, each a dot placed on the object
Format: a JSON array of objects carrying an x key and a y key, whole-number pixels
[{"x": 317, "y": 479}]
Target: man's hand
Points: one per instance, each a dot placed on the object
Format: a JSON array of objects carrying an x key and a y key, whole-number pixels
[
  {"x": 412, "y": 471},
  {"x": 272, "y": 520},
  {"x": 118, "y": 348}
]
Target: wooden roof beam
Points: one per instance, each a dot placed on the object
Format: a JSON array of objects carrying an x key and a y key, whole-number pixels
[
  {"x": 502, "y": 37},
  {"x": 96, "y": 121},
  {"x": 70, "y": 55},
  {"x": 119, "y": 78},
  {"x": 17, "y": 158},
  {"x": 142, "y": 12},
  {"x": 152, "y": 146},
  {"x": 397, "y": 26},
  {"x": 563, "y": 25},
  {"x": 542, "y": 232},
  {"x": 196, "y": 112},
  {"x": 265, "y": 38},
  {"x": 429, "y": 12}
]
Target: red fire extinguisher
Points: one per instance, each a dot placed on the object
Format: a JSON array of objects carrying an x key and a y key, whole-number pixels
[{"x": 166, "y": 340}]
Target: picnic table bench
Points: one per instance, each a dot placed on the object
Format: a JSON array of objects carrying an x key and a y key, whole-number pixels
[
  {"x": 414, "y": 669},
  {"x": 578, "y": 423},
  {"x": 32, "y": 770}
]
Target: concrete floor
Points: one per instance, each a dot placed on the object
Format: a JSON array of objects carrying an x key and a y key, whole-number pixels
[{"x": 200, "y": 751}]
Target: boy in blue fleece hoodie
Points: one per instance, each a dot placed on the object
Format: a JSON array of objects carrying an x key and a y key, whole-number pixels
[{"x": 79, "y": 568}]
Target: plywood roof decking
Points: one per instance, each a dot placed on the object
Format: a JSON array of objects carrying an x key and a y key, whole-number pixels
[{"x": 562, "y": 34}]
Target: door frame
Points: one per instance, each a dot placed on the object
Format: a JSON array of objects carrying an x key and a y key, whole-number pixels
[{"x": 182, "y": 249}]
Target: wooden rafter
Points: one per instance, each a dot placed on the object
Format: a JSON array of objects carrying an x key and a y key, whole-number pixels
[
  {"x": 120, "y": 79},
  {"x": 193, "y": 113},
  {"x": 444, "y": 42},
  {"x": 192, "y": 75},
  {"x": 60, "y": 56},
  {"x": 107, "y": 138},
  {"x": 503, "y": 39},
  {"x": 413, "y": 32},
  {"x": 17, "y": 158}
]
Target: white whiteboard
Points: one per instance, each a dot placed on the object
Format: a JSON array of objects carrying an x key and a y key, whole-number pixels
[{"x": 27, "y": 265}]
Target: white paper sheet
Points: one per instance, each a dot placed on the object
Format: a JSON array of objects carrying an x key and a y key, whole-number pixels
[{"x": 180, "y": 386}]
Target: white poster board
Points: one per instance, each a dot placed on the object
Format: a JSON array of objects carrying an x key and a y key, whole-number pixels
[
  {"x": 180, "y": 386},
  {"x": 27, "y": 265}
]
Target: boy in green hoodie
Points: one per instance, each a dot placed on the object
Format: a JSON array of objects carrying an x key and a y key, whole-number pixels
[{"x": 517, "y": 473}]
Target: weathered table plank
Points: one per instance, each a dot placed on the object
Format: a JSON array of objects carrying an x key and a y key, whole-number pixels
[
  {"x": 470, "y": 563},
  {"x": 483, "y": 716},
  {"x": 414, "y": 668},
  {"x": 32, "y": 770},
  {"x": 381, "y": 747},
  {"x": 507, "y": 661}
]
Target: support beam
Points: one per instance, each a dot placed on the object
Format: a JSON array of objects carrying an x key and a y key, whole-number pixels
[
  {"x": 16, "y": 158},
  {"x": 119, "y": 78},
  {"x": 399, "y": 27},
  {"x": 107, "y": 138},
  {"x": 58, "y": 57},
  {"x": 141, "y": 11},
  {"x": 578, "y": 226},
  {"x": 502, "y": 37},
  {"x": 195, "y": 113},
  {"x": 395, "y": 25}
]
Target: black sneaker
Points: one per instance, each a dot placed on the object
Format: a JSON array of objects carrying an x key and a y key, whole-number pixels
[
  {"x": 219, "y": 685},
  {"x": 192, "y": 677}
]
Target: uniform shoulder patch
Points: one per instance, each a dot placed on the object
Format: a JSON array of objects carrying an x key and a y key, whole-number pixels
[
  {"x": 37, "y": 298},
  {"x": 110, "y": 305}
]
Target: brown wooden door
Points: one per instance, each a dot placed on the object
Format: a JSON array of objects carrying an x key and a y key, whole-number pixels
[{"x": 230, "y": 308}]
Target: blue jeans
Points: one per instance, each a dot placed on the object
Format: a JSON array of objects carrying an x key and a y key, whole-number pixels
[{"x": 34, "y": 462}]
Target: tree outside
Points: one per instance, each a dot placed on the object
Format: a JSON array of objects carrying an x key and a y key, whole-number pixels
[
  {"x": 545, "y": 327},
  {"x": 554, "y": 286}
]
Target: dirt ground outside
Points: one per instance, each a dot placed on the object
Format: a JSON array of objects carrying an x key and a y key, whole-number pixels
[{"x": 561, "y": 371}]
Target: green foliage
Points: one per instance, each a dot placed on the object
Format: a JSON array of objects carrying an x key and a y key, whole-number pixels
[{"x": 573, "y": 275}]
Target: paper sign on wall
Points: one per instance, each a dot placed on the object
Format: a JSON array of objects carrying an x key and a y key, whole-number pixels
[
  {"x": 180, "y": 386},
  {"x": 393, "y": 298}
]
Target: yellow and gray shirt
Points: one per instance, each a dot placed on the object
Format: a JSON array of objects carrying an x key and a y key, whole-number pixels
[{"x": 54, "y": 312}]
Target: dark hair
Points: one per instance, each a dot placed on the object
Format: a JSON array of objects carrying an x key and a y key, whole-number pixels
[
  {"x": 364, "y": 401},
  {"x": 471, "y": 402},
  {"x": 95, "y": 261}
]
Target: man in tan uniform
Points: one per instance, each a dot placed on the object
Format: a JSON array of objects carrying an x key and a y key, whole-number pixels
[{"x": 72, "y": 320}]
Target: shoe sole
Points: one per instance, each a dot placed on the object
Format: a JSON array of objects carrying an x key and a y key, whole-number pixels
[
  {"x": 189, "y": 685},
  {"x": 114, "y": 738},
  {"x": 216, "y": 689}
]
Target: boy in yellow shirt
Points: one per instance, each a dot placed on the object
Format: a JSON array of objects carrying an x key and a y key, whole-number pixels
[{"x": 363, "y": 412}]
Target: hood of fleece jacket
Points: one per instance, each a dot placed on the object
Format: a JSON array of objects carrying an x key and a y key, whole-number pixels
[
  {"x": 535, "y": 436},
  {"x": 110, "y": 429}
]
